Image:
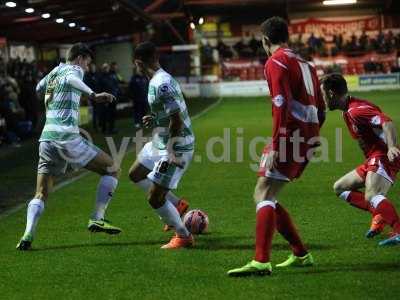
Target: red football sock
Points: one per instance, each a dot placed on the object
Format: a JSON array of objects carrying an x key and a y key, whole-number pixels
[
  {"x": 265, "y": 228},
  {"x": 357, "y": 199},
  {"x": 389, "y": 214},
  {"x": 287, "y": 229}
]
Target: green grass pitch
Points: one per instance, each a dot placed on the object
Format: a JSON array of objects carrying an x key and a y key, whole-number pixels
[{"x": 70, "y": 263}]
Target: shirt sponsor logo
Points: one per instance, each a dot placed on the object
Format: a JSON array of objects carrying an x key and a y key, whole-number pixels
[
  {"x": 376, "y": 120},
  {"x": 164, "y": 88},
  {"x": 278, "y": 100}
]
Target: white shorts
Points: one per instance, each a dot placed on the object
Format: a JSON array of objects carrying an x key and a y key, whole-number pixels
[
  {"x": 165, "y": 174},
  {"x": 56, "y": 156}
]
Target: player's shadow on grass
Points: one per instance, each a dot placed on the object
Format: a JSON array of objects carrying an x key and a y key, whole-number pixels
[
  {"x": 223, "y": 243},
  {"x": 102, "y": 244},
  {"x": 340, "y": 268}
]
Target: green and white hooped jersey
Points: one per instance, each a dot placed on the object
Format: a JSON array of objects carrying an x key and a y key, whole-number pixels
[
  {"x": 62, "y": 104},
  {"x": 165, "y": 98}
]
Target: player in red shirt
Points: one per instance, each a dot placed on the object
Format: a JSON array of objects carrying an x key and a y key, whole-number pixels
[
  {"x": 298, "y": 112},
  {"x": 377, "y": 137}
]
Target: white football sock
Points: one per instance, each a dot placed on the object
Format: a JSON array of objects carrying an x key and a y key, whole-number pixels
[
  {"x": 33, "y": 213},
  {"x": 170, "y": 215},
  {"x": 171, "y": 197},
  {"x": 105, "y": 190},
  {"x": 345, "y": 195},
  {"x": 266, "y": 202},
  {"x": 145, "y": 185},
  {"x": 376, "y": 200}
]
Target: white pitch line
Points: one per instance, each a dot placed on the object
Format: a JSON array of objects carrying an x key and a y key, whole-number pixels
[
  {"x": 203, "y": 112},
  {"x": 66, "y": 182},
  {"x": 58, "y": 186}
]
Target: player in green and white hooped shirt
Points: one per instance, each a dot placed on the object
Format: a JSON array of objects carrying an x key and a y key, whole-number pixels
[
  {"x": 162, "y": 162},
  {"x": 61, "y": 145}
]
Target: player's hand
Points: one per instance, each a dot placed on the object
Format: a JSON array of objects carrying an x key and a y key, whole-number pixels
[
  {"x": 148, "y": 121},
  {"x": 393, "y": 153},
  {"x": 173, "y": 160},
  {"x": 104, "y": 98},
  {"x": 271, "y": 159}
]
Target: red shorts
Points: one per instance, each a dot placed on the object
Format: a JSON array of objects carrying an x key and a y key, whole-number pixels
[
  {"x": 286, "y": 169},
  {"x": 379, "y": 165}
]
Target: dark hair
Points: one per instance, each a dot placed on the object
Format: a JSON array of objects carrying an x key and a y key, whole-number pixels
[
  {"x": 276, "y": 30},
  {"x": 335, "y": 82},
  {"x": 145, "y": 52},
  {"x": 79, "y": 49}
]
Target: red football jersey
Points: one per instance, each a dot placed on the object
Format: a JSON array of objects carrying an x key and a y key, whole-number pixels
[
  {"x": 365, "y": 121},
  {"x": 297, "y": 102}
]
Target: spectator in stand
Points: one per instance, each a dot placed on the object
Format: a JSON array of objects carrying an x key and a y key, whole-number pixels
[
  {"x": 109, "y": 83},
  {"x": 388, "y": 43},
  {"x": 254, "y": 45},
  {"x": 373, "y": 42},
  {"x": 397, "y": 41},
  {"x": 338, "y": 41},
  {"x": 356, "y": 46},
  {"x": 28, "y": 98},
  {"x": 207, "y": 54},
  {"x": 312, "y": 43},
  {"x": 239, "y": 47},
  {"x": 116, "y": 81},
  {"x": 224, "y": 50},
  {"x": 114, "y": 71},
  {"x": 363, "y": 42},
  {"x": 380, "y": 39},
  {"x": 10, "y": 108},
  {"x": 138, "y": 87},
  {"x": 352, "y": 46},
  {"x": 321, "y": 48},
  {"x": 92, "y": 79}
]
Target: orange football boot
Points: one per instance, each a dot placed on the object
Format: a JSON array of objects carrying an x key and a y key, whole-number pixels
[
  {"x": 178, "y": 242},
  {"x": 377, "y": 226}
]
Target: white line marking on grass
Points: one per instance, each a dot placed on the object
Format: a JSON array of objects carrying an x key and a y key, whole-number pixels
[
  {"x": 56, "y": 188},
  {"x": 66, "y": 182},
  {"x": 203, "y": 112}
]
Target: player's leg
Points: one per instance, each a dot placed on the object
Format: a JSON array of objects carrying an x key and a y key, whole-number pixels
[
  {"x": 286, "y": 227},
  {"x": 35, "y": 209},
  {"x": 50, "y": 164},
  {"x": 264, "y": 196},
  {"x": 265, "y": 193},
  {"x": 138, "y": 175},
  {"x": 347, "y": 188},
  {"x": 103, "y": 165},
  {"x": 169, "y": 215},
  {"x": 164, "y": 177},
  {"x": 376, "y": 189}
]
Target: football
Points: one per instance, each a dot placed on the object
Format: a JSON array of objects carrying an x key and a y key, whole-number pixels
[{"x": 196, "y": 221}]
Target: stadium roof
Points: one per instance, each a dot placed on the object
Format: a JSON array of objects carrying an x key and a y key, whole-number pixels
[
  {"x": 92, "y": 18},
  {"x": 95, "y": 19}
]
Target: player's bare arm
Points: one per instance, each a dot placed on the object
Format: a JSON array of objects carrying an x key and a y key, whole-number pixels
[
  {"x": 390, "y": 132},
  {"x": 102, "y": 97},
  {"x": 148, "y": 121},
  {"x": 78, "y": 84}
]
